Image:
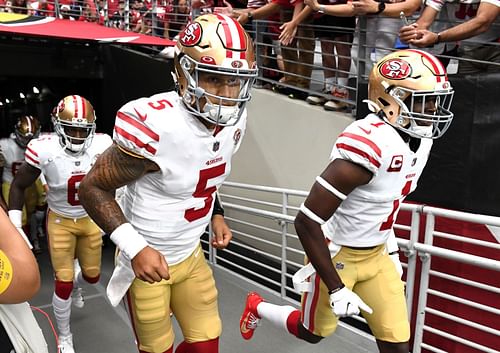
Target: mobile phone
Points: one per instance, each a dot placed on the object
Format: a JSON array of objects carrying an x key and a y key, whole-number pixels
[{"x": 404, "y": 19}]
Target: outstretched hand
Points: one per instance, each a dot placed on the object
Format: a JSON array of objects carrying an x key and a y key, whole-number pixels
[
  {"x": 288, "y": 31},
  {"x": 313, "y": 4}
]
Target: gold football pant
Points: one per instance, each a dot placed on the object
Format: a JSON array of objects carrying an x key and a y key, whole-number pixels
[
  {"x": 371, "y": 274},
  {"x": 70, "y": 238},
  {"x": 190, "y": 294}
]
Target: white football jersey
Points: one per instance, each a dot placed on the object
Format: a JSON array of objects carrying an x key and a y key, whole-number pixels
[
  {"x": 64, "y": 172},
  {"x": 14, "y": 157},
  {"x": 172, "y": 208},
  {"x": 366, "y": 216}
]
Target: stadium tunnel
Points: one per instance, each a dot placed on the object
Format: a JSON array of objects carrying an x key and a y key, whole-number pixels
[{"x": 45, "y": 70}]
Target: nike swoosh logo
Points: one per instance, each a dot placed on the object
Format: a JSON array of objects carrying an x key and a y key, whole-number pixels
[
  {"x": 243, "y": 327},
  {"x": 141, "y": 117},
  {"x": 368, "y": 132}
]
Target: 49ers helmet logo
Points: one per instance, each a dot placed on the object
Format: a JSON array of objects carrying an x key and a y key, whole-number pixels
[
  {"x": 395, "y": 69},
  {"x": 191, "y": 35}
]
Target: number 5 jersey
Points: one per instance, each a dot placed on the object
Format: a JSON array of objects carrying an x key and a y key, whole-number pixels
[{"x": 172, "y": 207}]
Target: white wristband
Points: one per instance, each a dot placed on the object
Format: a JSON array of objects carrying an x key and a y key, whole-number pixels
[
  {"x": 16, "y": 217},
  {"x": 128, "y": 240}
]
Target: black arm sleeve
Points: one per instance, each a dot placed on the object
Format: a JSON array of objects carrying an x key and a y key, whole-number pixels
[{"x": 217, "y": 206}]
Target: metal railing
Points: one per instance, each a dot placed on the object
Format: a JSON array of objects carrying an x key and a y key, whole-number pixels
[{"x": 266, "y": 250}]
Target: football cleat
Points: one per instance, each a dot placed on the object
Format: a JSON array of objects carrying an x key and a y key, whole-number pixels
[
  {"x": 250, "y": 318},
  {"x": 77, "y": 298},
  {"x": 66, "y": 344},
  {"x": 77, "y": 295}
]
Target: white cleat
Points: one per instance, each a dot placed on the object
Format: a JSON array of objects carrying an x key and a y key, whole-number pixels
[
  {"x": 66, "y": 344},
  {"x": 77, "y": 298},
  {"x": 77, "y": 295}
]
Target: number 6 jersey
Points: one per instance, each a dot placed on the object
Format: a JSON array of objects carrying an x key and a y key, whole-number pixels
[
  {"x": 172, "y": 207},
  {"x": 63, "y": 171}
]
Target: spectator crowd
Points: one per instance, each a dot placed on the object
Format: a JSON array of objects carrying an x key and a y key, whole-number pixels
[{"x": 352, "y": 34}]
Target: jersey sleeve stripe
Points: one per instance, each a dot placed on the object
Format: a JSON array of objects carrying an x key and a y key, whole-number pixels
[
  {"x": 31, "y": 151},
  {"x": 359, "y": 152},
  {"x": 135, "y": 140},
  {"x": 131, "y": 121},
  {"x": 363, "y": 139},
  {"x": 31, "y": 159}
]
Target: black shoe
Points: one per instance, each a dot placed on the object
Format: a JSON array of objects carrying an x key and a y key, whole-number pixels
[
  {"x": 298, "y": 94},
  {"x": 282, "y": 90}
]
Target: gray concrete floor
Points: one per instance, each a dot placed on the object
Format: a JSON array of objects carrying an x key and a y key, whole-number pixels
[{"x": 100, "y": 328}]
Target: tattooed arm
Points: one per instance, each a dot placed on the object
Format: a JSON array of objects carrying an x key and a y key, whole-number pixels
[{"x": 113, "y": 169}]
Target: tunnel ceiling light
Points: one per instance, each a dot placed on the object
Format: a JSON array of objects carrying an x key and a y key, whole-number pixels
[{"x": 36, "y": 90}]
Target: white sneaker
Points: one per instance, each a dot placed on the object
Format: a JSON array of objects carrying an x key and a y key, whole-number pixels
[
  {"x": 316, "y": 99},
  {"x": 66, "y": 344}
]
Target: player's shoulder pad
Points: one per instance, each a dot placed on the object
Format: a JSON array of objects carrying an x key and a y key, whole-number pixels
[
  {"x": 138, "y": 123},
  {"x": 361, "y": 143}
]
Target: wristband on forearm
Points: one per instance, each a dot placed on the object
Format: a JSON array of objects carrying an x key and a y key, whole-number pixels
[
  {"x": 16, "y": 217},
  {"x": 128, "y": 240},
  {"x": 438, "y": 39},
  {"x": 218, "y": 209}
]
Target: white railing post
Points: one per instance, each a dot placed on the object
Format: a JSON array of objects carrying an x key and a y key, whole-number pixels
[
  {"x": 284, "y": 231},
  {"x": 411, "y": 254},
  {"x": 424, "y": 285},
  {"x": 212, "y": 252}
]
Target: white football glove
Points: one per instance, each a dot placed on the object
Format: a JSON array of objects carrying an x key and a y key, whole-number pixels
[
  {"x": 345, "y": 302},
  {"x": 395, "y": 259},
  {"x": 15, "y": 217}
]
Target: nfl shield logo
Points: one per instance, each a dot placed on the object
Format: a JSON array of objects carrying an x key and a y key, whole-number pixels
[
  {"x": 215, "y": 148},
  {"x": 77, "y": 163},
  {"x": 339, "y": 265}
]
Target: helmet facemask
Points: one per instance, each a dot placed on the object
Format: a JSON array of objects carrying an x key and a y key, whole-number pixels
[
  {"x": 75, "y": 145},
  {"x": 219, "y": 110},
  {"x": 423, "y": 114}
]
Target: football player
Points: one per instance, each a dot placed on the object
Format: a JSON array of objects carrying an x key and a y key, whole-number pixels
[
  {"x": 173, "y": 150},
  {"x": 12, "y": 153},
  {"x": 374, "y": 164},
  {"x": 64, "y": 158}
]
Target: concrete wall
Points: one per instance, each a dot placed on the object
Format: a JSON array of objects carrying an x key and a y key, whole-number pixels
[{"x": 287, "y": 143}]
